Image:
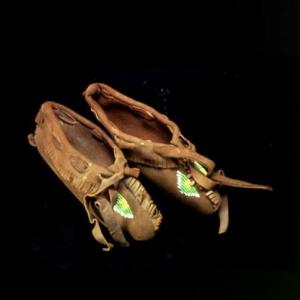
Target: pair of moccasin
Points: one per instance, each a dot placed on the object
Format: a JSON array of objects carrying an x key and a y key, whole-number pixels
[{"x": 93, "y": 164}]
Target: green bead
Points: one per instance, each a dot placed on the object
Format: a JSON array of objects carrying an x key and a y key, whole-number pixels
[
  {"x": 185, "y": 187},
  {"x": 122, "y": 207},
  {"x": 200, "y": 168}
]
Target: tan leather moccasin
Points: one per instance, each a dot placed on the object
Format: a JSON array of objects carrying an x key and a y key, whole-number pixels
[
  {"x": 95, "y": 170},
  {"x": 157, "y": 147}
]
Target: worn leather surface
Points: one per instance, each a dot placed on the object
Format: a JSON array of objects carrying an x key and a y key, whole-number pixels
[
  {"x": 157, "y": 147},
  {"x": 95, "y": 170}
]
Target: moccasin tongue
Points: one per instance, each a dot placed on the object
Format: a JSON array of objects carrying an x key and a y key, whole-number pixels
[{"x": 135, "y": 210}]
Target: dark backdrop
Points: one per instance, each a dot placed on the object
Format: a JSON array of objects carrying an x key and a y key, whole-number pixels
[{"x": 228, "y": 75}]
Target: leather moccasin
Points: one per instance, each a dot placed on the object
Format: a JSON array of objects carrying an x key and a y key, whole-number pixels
[
  {"x": 157, "y": 147},
  {"x": 95, "y": 170}
]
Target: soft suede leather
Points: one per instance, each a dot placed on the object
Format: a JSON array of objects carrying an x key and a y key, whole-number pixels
[{"x": 95, "y": 170}]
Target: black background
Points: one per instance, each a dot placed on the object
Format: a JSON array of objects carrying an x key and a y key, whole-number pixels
[{"x": 228, "y": 75}]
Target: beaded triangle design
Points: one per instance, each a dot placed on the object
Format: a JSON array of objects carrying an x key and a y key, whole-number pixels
[{"x": 122, "y": 207}]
